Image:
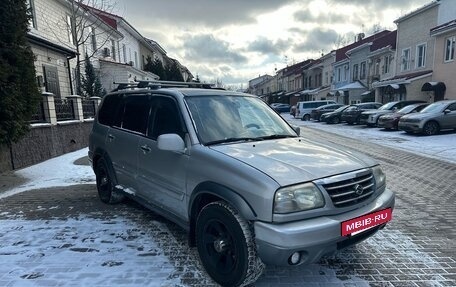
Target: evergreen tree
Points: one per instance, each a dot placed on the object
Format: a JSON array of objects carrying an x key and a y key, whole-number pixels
[
  {"x": 91, "y": 85},
  {"x": 174, "y": 73},
  {"x": 19, "y": 94},
  {"x": 156, "y": 67}
]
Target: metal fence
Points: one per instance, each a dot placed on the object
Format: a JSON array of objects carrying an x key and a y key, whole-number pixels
[
  {"x": 38, "y": 115},
  {"x": 88, "y": 108},
  {"x": 64, "y": 109}
]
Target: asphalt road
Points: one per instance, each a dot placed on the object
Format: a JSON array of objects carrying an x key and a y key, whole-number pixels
[{"x": 416, "y": 249}]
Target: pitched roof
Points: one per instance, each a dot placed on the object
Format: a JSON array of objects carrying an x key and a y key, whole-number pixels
[
  {"x": 444, "y": 27},
  {"x": 297, "y": 67},
  {"x": 341, "y": 54},
  {"x": 385, "y": 41}
]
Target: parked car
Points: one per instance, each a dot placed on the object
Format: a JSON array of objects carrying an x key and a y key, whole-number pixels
[
  {"x": 352, "y": 114},
  {"x": 333, "y": 117},
  {"x": 303, "y": 109},
  {"x": 432, "y": 119},
  {"x": 248, "y": 188},
  {"x": 391, "y": 121},
  {"x": 316, "y": 113},
  {"x": 282, "y": 108},
  {"x": 370, "y": 118}
]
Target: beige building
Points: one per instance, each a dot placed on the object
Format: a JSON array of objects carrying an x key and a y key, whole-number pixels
[
  {"x": 415, "y": 52},
  {"x": 443, "y": 85}
]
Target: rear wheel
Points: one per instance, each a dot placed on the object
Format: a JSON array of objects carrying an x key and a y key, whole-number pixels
[
  {"x": 431, "y": 128},
  {"x": 226, "y": 245},
  {"x": 105, "y": 184},
  {"x": 306, "y": 117},
  {"x": 336, "y": 120}
]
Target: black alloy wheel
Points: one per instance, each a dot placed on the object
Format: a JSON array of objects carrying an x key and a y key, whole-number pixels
[
  {"x": 336, "y": 120},
  {"x": 105, "y": 185},
  {"x": 431, "y": 128},
  {"x": 226, "y": 246}
]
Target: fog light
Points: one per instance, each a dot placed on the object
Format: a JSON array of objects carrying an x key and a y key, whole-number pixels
[{"x": 295, "y": 258}]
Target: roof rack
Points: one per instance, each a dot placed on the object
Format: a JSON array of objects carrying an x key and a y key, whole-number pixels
[{"x": 156, "y": 84}]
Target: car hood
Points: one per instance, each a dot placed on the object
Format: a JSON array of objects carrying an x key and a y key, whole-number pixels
[
  {"x": 295, "y": 160},
  {"x": 419, "y": 116},
  {"x": 393, "y": 115}
]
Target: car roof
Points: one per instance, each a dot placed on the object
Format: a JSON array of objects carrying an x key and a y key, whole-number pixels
[{"x": 190, "y": 92}]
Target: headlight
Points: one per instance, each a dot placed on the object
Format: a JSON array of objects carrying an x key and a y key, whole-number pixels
[
  {"x": 298, "y": 198},
  {"x": 380, "y": 177}
]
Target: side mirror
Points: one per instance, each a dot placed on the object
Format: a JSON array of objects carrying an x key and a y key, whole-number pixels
[
  {"x": 171, "y": 142},
  {"x": 447, "y": 111},
  {"x": 297, "y": 129}
]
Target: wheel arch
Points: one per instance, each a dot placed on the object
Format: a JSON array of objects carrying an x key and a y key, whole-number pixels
[
  {"x": 102, "y": 154},
  {"x": 208, "y": 192}
]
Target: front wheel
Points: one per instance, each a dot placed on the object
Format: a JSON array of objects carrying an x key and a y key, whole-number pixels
[
  {"x": 336, "y": 120},
  {"x": 226, "y": 246},
  {"x": 431, "y": 128}
]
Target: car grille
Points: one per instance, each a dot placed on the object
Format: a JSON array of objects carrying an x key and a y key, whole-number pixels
[{"x": 351, "y": 191}]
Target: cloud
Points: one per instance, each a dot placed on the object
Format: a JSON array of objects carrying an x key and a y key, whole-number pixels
[
  {"x": 306, "y": 17},
  {"x": 267, "y": 46},
  {"x": 316, "y": 40},
  {"x": 199, "y": 12},
  {"x": 205, "y": 47}
]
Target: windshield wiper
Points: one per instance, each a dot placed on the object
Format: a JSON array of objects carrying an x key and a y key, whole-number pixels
[
  {"x": 271, "y": 137},
  {"x": 232, "y": 140}
]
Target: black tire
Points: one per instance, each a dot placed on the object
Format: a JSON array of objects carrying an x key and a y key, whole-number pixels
[
  {"x": 335, "y": 120},
  {"x": 431, "y": 128},
  {"x": 105, "y": 185},
  {"x": 226, "y": 245},
  {"x": 306, "y": 117}
]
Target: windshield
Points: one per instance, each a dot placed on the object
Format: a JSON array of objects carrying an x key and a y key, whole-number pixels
[
  {"x": 434, "y": 108},
  {"x": 340, "y": 109},
  {"x": 223, "y": 119},
  {"x": 387, "y": 106},
  {"x": 407, "y": 109}
]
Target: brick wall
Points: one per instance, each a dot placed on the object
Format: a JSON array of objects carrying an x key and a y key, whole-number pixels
[{"x": 45, "y": 142}]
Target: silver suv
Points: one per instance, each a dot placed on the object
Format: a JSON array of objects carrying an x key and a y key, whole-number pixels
[{"x": 248, "y": 188}]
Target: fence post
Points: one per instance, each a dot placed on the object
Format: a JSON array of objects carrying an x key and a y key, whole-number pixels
[
  {"x": 77, "y": 107},
  {"x": 96, "y": 102},
  {"x": 49, "y": 108}
]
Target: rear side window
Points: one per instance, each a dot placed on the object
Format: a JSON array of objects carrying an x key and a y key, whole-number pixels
[
  {"x": 109, "y": 109},
  {"x": 136, "y": 114}
]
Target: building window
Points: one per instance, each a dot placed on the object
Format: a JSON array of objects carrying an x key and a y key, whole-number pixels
[
  {"x": 124, "y": 51},
  {"x": 405, "y": 59},
  {"x": 449, "y": 48},
  {"x": 346, "y": 73},
  {"x": 305, "y": 82},
  {"x": 363, "y": 71},
  {"x": 310, "y": 81},
  {"x": 339, "y": 72},
  {"x": 70, "y": 29},
  {"x": 421, "y": 56},
  {"x": 377, "y": 67},
  {"x": 386, "y": 66},
  {"x": 355, "y": 72},
  {"x": 31, "y": 9},
  {"x": 113, "y": 49},
  {"x": 136, "y": 59}
]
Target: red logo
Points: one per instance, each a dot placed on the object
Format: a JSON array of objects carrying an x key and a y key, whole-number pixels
[{"x": 356, "y": 225}]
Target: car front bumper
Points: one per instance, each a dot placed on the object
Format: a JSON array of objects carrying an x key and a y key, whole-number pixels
[
  {"x": 410, "y": 127},
  {"x": 313, "y": 238}
]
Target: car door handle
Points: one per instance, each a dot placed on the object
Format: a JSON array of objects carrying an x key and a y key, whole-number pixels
[
  {"x": 146, "y": 149},
  {"x": 111, "y": 137}
]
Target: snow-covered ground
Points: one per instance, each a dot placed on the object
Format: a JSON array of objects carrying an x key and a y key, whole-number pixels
[
  {"x": 58, "y": 171},
  {"x": 442, "y": 146}
]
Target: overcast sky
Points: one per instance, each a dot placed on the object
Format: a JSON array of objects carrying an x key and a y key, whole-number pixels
[{"x": 237, "y": 40}]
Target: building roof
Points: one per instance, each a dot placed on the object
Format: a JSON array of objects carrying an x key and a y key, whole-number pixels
[
  {"x": 341, "y": 54},
  {"x": 448, "y": 26},
  {"x": 417, "y": 11},
  {"x": 297, "y": 68},
  {"x": 385, "y": 41}
]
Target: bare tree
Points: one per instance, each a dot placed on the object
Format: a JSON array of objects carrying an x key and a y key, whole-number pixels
[{"x": 87, "y": 31}]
